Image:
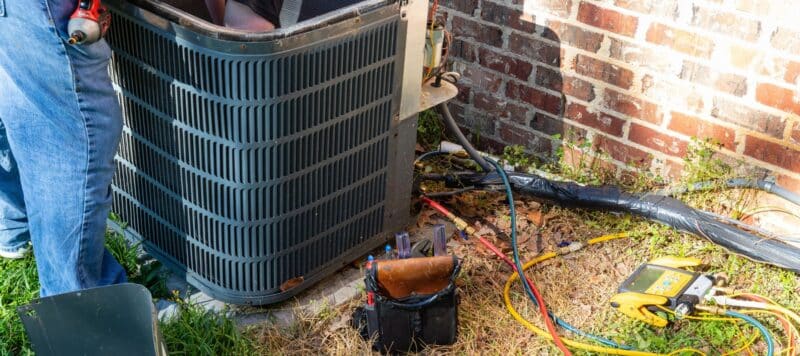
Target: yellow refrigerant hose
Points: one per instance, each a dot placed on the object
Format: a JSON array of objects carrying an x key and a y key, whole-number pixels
[{"x": 572, "y": 343}]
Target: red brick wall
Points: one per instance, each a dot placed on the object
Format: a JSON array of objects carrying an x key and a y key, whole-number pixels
[{"x": 639, "y": 78}]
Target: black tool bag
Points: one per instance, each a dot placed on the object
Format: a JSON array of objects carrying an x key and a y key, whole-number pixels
[{"x": 415, "y": 303}]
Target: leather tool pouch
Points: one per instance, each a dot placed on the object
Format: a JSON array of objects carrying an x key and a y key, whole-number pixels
[{"x": 416, "y": 303}]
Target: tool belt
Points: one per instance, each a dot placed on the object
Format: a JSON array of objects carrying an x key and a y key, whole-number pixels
[{"x": 415, "y": 303}]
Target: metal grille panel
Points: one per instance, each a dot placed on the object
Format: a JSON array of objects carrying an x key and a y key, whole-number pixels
[{"x": 247, "y": 170}]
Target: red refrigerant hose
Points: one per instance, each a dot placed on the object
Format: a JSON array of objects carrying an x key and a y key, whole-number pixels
[{"x": 462, "y": 225}]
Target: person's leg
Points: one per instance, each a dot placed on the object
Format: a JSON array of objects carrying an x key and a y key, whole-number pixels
[
  {"x": 14, "y": 234},
  {"x": 241, "y": 17},
  {"x": 63, "y": 123}
]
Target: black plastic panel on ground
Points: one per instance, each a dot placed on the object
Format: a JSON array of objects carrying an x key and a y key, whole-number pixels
[{"x": 246, "y": 171}]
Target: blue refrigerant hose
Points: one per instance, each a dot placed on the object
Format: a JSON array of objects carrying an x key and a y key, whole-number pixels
[
  {"x": 528, "y": 291},
  {"x": 764, "y": 332}
]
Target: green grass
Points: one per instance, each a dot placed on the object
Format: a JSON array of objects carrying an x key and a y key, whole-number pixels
[
  {"x": 19, "y": 283},
  {"x": 193, "y": 332},
  {"x": 196, "y": 331}
]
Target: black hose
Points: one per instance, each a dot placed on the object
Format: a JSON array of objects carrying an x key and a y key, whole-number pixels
[
  {"x": 664, "y": 209},
  {"x": 738, "y": 183},
  {"x": 661, "y": 208},
  {"x": 453, "y": 127}
]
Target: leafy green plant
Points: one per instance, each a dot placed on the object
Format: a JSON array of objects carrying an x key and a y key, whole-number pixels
[
  {"x": 515, "y": 155},
  {"x": 430, "y": 129},
  {"x": 701, "y": 163}
]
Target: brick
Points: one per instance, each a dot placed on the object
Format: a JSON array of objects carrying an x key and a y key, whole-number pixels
[
  {"x": 541, "y": 100},
  {"x": 573, "y": 36},
  {"x": 464, "y": 50},
  {"x": 620, "y": 151},
  {"x": 465, "y": 6},
  {"x": 663, "y": 8},
  {"x": 735, "y": 112},
  {"x": 673, "y": 170},
  {"x": 500, "y": 107},
  {"x": 772, "y": 66},
  {"x": 726, "y": 23},
  {"x": 464, "y": 91},
  {"x": 607, "y": 19},
  {"x": 473, "y": 121},
  {"x": 559, "y": 8},
  {"x": 441, "y": 16},
  {"x": 658, "y": 59},
  {"x": 702, "y": 129},
  {"x": 535, "y": 49},
  {"x": 598, "y": 120},
  {"x": 794, "y": 136},
  {"x": 568, "y": 85},
  {"x": 742, "y": 57},
  {"x": 682, "y": 41},
  {"x": 772, "y": 153},
  {"x": 792, "y": 75},
  {"x": 551, "y": 126},
  {"x": 672, "y": 93},
  {"x": 788, "y": 182},
  {"x": 787, "y": 40},
  {"x": 548, "y": 125},
  {"x": 607, "y": 72},
  {"x": 504, "y": 64},
  {"x": 482, "y": 79},
  {"x": 506, "y": 16},
  {"x": 656, "y": 140},
  {"x": 724, "y": 82},
  {"x": 631, "y": 106},
  {"x": 515, "y": 135},
  {"x": 482, "y": 33},
  {"x": 778, "y": 97}
]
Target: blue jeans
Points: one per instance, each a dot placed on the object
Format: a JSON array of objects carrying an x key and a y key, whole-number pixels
[{"x": 61, "y": 127}]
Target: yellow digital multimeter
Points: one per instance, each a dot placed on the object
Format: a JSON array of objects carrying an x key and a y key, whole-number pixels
[{"x": 662, "y": 283}]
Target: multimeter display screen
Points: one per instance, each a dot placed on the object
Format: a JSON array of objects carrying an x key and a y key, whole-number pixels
[
  {"x": 659, "y": 281},
  {"x": 646, "y": 278}
]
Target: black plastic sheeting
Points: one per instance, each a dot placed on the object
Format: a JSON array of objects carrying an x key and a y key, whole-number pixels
[{"x": 664, "y": 209}]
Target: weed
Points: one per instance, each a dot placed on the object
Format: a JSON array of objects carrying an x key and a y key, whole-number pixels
[
  {"x": 701, "y": 163},
  {"x": 515, "y": 155},
  {"x": 430, "y": 129}
]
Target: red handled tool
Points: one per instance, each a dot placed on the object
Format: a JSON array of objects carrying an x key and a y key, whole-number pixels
[{"x": 89, "y": 22}]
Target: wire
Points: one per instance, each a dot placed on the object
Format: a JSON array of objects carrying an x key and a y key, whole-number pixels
[
  {"x": 736, "y": 183},
  {"x": 788, "y": 327},
  {"x": 728, "y": 300},
  {"x": 530, "y": 288},
  {"x": 574, "y": 344},
  {"x": 746, "y": 345},
  {"x": 462, "y": 225},
  {"x": 769, "y": 209},
  {"x": 430, "y": 154},
  {"x": 768, "y": 234},
  {"x": 764, "y": 332},
  {"x": 432, "y": 19},
  {"x": 451, "y": 124},
  {"x": 705, "y": 318}
]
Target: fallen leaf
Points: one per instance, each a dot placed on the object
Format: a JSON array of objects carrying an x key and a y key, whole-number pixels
[
  {"x": 425, "y": 217},
  {"x": 294, "y": 282},
  {"x": 535, "y": 217}
]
